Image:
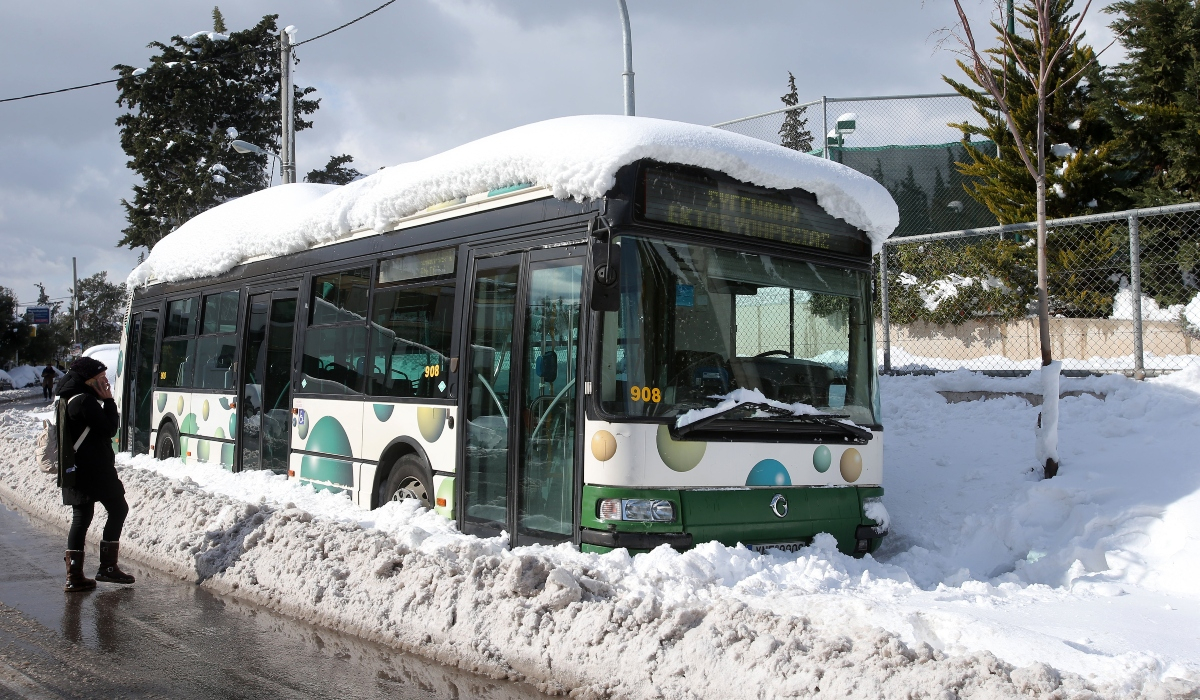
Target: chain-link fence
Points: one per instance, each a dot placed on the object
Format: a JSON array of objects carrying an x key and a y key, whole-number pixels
[
  {"x": 905, "y": 142},
  {"x": 1123, "y": 287}
]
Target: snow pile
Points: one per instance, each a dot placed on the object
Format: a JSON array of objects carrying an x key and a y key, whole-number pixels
[
  {"x": 575, "y": 157},
  {"x": 27, "y": 375},
  {"x": 992, "y": 584},
  {"x": 1123, "y": 308},
  {"x": 5, "y": 378}
]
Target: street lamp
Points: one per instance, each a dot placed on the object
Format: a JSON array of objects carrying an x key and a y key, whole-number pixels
[
  {"x": 843, "y": 126},
  {"x": 247, "y": 147}
]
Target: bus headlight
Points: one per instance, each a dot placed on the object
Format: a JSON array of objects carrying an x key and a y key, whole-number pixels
[{"x": 637, "y": 510}]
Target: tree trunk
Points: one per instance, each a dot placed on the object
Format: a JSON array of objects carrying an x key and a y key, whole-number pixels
[{"x": 1047, "y": 430}]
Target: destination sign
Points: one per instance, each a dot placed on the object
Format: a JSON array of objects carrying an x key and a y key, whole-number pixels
[{"x": 702, "y": 202}]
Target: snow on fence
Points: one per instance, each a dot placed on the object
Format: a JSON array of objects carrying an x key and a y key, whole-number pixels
[{"x": 1123, "y": 286}]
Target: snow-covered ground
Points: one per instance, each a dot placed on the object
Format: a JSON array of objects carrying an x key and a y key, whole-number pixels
[{"x": 992, "y": 583}]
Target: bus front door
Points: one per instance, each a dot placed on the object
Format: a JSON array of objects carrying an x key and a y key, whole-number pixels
[
  {"x": 138, "y": 403},
  {"x": 522, "y": 363},
  {"x": 265, "y": 395}
]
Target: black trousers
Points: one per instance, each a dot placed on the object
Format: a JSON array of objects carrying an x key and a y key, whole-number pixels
[
  {"x": 81, "y": 520},
  {"x": 47, "y": 393}
]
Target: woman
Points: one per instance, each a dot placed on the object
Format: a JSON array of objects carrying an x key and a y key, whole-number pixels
[{"x": 92, "y": 422}]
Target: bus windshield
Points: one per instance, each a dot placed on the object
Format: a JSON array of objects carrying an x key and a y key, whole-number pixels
[{"x": 697, "y": 322}]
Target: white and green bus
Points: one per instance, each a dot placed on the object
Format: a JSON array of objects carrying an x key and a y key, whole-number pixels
[{"x": 687, "y": 358}]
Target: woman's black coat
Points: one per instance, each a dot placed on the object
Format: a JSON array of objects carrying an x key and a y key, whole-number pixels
[{"x": 96, "y": 477}]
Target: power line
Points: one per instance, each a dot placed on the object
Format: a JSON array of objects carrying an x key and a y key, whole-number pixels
[
  {"x": 113, "y": 80},
  {"x": 55, "y": 92},
  {"x": 338, "y": 29}
]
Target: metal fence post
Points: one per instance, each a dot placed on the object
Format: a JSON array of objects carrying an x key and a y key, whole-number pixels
[
  {"x": 883, "y": 302},
  {"x": 825, "y": 127},
  {"x": 1135, "y": 287}
]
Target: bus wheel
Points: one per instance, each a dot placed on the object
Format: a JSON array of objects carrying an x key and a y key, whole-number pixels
[
  {"x": 167, "y": 445},
  {"x": 407, "y": 480}
]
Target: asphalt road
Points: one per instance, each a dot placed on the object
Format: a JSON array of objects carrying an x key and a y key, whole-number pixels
[{"x": 165, "y": 638}]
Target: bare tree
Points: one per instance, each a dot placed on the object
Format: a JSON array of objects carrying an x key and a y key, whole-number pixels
[{"x": 984, "y": 66}]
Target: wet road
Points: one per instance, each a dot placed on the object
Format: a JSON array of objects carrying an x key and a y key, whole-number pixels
[{"x": 167, "y": 638}]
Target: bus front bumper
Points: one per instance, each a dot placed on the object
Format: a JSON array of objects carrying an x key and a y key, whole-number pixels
[{"x": 737, "y": 516}]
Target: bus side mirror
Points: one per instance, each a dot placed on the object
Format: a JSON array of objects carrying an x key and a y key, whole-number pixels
[{"x": 606, "y": 272}]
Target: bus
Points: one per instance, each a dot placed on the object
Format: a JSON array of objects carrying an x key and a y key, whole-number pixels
[{"x": 688, "y": 357}]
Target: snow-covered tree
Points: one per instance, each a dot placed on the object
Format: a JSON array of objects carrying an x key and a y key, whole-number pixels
[
  {"x": 335, "y": 172},
  {"x": 1157, "y": 110},
  {"x": 794, "y": 133},
  {"x": 198, "y": 94}
]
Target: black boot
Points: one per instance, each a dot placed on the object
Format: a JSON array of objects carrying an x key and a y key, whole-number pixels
[
  {"x": 109, "y": 571},
  {"x": 76, "y": 581}
]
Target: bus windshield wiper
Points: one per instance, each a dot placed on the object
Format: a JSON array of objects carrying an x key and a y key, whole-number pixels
[
  {"x": 774, "y": 414},
  {"x": 852, "y": 429},
  {"x": 774, "y": 411}
]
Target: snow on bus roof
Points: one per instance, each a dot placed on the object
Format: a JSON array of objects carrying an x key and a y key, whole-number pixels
[{"x": 572, "y": 157}]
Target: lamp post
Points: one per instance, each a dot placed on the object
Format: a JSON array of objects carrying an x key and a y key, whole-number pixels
[
  {"x": 843, "y": 126},
  {"x": 627, "y": 76},
  {"x": 247, "y": 147}
]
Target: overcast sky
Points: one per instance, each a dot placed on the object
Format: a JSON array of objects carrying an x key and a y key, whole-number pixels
[{"x": 421, "y": 76}]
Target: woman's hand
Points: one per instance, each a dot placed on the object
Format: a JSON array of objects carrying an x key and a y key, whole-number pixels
[{"x": 100, "y": 384}]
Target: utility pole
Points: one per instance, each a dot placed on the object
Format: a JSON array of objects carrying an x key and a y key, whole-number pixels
[
  {"x": 74, "y": 301},
  {"x": 287, "y": 169},
  {"x": 627, "y": 76}
]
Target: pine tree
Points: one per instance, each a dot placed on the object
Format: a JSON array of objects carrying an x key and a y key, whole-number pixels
[
  {"x": 218, "y": 21},
  {"x": 1081, "y": 181},
  {"x": 198, "y": 94},
  {"x": 335, "y": 172},
  {"x": 1157, "y": 113},
  {"x": 794, "y": 133}
]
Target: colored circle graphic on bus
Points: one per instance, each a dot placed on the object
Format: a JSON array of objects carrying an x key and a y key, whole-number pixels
[
  {"x": 328, "y": 436},
  {"x": 179, "y": 405},
  {"x": 604, "y": 445},
  {"x": 431, "y": 422},
  {"x": 822, "y": 459},
  {"x": 233, "y": 424},
  {"x": 302, "y": 423},
  {"x": 769, "y": 472},
  {"x": 383, "y": 411},
  {"x": 679, "y": 455},
  {"x": 851, "y": 465},
  {"x": 120, "y": 362},
  {"x": 204, "y": 410},
  {"x": 161, "y": 402},
  {"x": 203, "y": 450}
]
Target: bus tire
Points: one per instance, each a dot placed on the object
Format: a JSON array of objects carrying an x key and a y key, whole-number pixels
[
  {"x": 167, "y": 444},
  {"x": 408, "y": 479}
]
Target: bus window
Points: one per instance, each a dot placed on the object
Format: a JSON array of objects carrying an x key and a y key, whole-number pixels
[
  {"x": 178, "y": 354},
  {"x": 181, "y": 318},
  {"x": 217, "y": 346},
  {"x": 410, "y": 341},
  {"x": 335, "y": 345}
]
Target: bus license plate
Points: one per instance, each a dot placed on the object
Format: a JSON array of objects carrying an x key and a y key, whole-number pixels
[{"x": 781, "y": 546}]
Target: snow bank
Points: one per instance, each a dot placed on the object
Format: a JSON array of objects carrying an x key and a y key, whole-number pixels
[
  {"x": 992, "y": 583},
  {"x": 575, "y": 157},
  {"x": 27, "y": 375},
  {"x": 659, "y": 625},
  {"x": 1123, "y": 308}
]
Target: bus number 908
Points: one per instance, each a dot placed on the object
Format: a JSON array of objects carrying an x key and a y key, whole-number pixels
[{"x": 645, "y": 393}]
